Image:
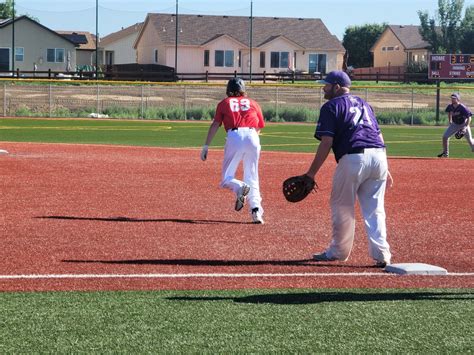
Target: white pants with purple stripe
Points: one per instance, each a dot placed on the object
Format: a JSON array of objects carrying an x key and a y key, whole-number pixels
[
  {"x": 360, "y": 176},
  {"x": 243, "y": 145}
]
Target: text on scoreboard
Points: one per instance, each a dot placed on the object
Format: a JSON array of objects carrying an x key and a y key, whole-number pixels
[{"x": 451, "y": 66}]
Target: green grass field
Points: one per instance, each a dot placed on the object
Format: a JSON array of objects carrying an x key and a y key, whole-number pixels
[
  {"x": 250, "y": 321},
  {"x": 415, "y": 321},
  {"x": 400, "y": 140}
]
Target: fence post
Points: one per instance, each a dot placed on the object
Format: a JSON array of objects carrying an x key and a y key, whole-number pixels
[
  {"x": 412, "y": 105},
  {"x": 4, "y": 99},
  {"x": 276, "y": 104},
  {"x": 49, "y": 73},
  {"x": 437, "y": 100},
  {"x": 207, "y": 76},
  {"x": 377, "y": 77},
  {"x": 18, "y": 72},
  {"x": 293, "y": 76},
  {"x": 264, "y": 76},
  {"x": 141, "y": 102},
  {"x": 50, "y": 99},
  {"x": 97, "y": 99},
  {"x": 185, "y": 104}
]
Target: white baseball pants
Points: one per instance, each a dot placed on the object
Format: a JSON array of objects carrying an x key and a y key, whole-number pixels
[
  {"x": 242, "y": 144},
  {"x": 360, "y": 176}
]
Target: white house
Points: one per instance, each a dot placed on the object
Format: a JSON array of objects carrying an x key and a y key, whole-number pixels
[
  {"x": 222, "y": 44},
  {"x": 117, "y": 47}
]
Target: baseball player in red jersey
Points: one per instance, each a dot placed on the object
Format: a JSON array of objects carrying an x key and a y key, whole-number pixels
[{"x": 242, "y": 119}]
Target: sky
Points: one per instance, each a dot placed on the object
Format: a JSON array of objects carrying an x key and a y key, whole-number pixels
[{"x": 80, "y": 15}]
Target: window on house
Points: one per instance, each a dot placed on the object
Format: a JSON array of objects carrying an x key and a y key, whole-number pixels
[
  {"x": 19, "y": 54},
  {"x": 229, "y": 58},
  {"x": 317, "y": 63},
  {"x": 390, "y": 48},
  {"x": 279, "y": 59},
  {"x": 206, "y": 57},
  {"x": 55, "y": 55},
  {"x": 155, "y": 55},
  {"x": 384, "y": 49},
  {"x": 240, "y": 59},
  {"x": 262, "y": 59},
  {"x": 219, "y": 59},
  {"x": 224, "y": 58}
]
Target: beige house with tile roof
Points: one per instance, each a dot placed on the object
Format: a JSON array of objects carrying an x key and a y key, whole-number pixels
[
  {"x": 221, "y": 44},
  {"x": 117, "y": 47},
  {"x": 399, "y": 46}
]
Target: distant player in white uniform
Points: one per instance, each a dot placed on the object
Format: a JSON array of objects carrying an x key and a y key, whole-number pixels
[
  {"x": 459, "y": 117},
  {"x": 243, "y": 119}
]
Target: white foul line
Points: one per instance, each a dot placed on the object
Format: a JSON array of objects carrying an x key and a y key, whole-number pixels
[{"x": 196, "y": 275}]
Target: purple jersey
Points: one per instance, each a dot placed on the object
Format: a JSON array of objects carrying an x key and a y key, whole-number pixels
[
  {"x": 459, "y": 114},
  {"x": 351, "y": 122}
]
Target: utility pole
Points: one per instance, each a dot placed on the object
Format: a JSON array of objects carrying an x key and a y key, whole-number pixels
[
  {"x": 251, "y": 37},
  {"x": 96, "y": 39},
  {"x": 176, "y": 45},
  {"x": 13, "y": 38}
]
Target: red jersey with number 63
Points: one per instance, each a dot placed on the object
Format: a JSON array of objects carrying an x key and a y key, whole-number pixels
[{"x": 240, "y": 111}]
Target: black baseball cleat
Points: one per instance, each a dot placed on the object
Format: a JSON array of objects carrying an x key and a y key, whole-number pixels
[
  {"x": 257, "y": 216},
  {"x": 323, "y": 257},
  {"x": 443, "y": 155},
  {"x": 381, "y": 264}
]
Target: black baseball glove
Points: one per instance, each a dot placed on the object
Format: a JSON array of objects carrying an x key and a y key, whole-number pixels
[
  {"x": 459, "y": 134},
  {"x": 296, "y": 188}
]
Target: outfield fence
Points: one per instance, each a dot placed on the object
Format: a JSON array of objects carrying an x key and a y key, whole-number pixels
[{"x": 198, "y": 101}]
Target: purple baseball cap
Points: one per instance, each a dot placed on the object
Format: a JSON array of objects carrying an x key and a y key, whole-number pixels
[
  {"x": 337, "y": 77},
  {"x": 455, "y": 96}
]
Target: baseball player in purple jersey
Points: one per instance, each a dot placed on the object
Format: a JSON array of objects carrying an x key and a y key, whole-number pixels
[
  {"x": 348, "y": 126},
  {"x": 459, "y": 117}
]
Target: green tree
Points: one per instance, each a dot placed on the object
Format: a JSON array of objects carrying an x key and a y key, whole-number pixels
[
  {"x": 6, "y": 9},
  {"x": 467, "y": 41},
  {"x": 358, "y": 40},
  {"x": 443, "y": 32}
]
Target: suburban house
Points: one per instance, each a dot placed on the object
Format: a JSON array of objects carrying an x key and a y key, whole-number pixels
[
  {"x": 399, "y": 46},
  {"x": 117, "y": 47},
  {"x": 85, "y": 50},
  {"x": 36, "y": 47},
  {"x": 221, "y": 44}
]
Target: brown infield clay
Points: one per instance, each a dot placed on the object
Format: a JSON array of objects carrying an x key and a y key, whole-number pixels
[{"x": 101, "y": 210}]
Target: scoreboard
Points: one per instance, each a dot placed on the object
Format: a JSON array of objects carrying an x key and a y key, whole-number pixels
[{"x": 451, "y": 66}]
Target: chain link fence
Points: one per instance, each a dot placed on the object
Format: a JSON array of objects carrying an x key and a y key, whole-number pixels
[{"x": 198, "y": 101}]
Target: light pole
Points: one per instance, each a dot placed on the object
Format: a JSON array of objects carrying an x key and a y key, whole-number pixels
[
  {"x": 13, "y": 38},
  {"x": 96, "y": 39},
  {"x": 176, "y": 45},
  {"x": 251, "y": 37}
]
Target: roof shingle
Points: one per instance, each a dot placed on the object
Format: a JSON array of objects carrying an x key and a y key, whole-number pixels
[{"x": 199, "y": 29}]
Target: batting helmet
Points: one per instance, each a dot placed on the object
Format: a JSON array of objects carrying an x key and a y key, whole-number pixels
[{"x": 235, "y": 87}]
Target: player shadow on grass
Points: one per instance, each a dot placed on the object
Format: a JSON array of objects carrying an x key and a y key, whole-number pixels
[
  {"x": 334, "y": 296},
  {"x": 129, "y": 219},
  {"x": 215, "y": 262}
]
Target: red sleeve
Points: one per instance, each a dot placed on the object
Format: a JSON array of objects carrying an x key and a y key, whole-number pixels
[{"x": 219, "y": 115}]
